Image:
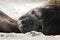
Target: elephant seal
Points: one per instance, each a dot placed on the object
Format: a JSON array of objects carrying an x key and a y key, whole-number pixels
[
  {"x": 47, "y": 17},
  {"x": 8, "y": 24},
  {"x": 30, "y": 21}
]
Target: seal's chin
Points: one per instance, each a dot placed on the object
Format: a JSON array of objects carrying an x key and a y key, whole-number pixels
[{"x": 24, "y": 30}]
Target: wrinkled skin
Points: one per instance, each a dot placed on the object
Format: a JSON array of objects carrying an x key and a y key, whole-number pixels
[
  {"x": 47, "y": 18},
  {"x": 8, "y": 24},
  {"x": 51, "y": 19},
  {"x": 30, "y": 22}
]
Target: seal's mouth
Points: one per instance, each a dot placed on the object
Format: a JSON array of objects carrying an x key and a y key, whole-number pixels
[
  {"x": 29, "y": 28},
  {"x": 30, "y": 23}
]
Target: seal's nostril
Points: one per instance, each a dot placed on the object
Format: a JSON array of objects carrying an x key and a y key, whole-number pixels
[
  {"x": 20, "y": 24},
  {"x": 20, "y": 27}
]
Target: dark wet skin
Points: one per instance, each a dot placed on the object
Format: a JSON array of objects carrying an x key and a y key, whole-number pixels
[{"x": 50, "y": 20}]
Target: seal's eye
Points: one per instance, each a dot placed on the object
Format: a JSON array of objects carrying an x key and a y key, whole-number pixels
[{"x": 33, "y": 12}]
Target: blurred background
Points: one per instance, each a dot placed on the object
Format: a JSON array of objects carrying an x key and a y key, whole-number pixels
[
  {"x": 22, "y": 1},
  {"x": 17, "y": 8}
]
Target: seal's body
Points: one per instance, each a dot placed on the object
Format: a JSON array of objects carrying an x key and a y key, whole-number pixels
[
  {"x": 46, "y": 17},
  {"x": 8, "y": 24}
]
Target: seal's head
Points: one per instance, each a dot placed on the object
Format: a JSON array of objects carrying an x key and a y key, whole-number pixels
[{"x": 29, "y": 22}]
